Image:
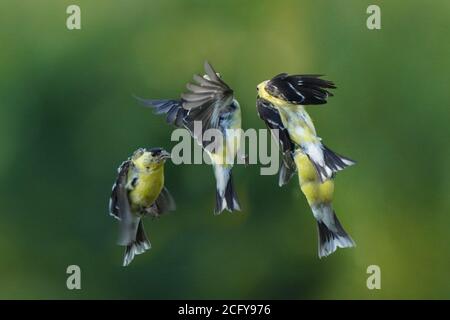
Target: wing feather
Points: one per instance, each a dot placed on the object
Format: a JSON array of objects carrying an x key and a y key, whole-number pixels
[
  {"x": 199, "y": 89},
  {"x": 119, "y": 206},
  {"x": 207, "y": 100},
  {"x": 211, "y": 91},
  {"x": 271, "y": 117},
  {"x": 173, "y": 109},
  {"x": 164, "y": 203},
  {"x": 307, "y": 89},
  {"x": 118, "y": 202}
]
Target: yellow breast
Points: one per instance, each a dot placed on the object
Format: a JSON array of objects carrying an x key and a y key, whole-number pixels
[
  {"x": 314, "y": 191},
  {"x": 298, "y": 123},
  {"x": 306, "y": 170},
  {"x": 147, "y": 188}
]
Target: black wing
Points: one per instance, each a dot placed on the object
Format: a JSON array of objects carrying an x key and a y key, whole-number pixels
[
  {"x": 173, "y": 109},
  {"x": 119, "y": 207},
  {"x": 271, "y": 117},
  {"x": 118, "y": 203},
  {"x": 300, "y": 89}
]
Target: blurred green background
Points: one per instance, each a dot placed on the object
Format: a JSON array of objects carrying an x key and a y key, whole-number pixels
[{"x": 68, "y": 119}]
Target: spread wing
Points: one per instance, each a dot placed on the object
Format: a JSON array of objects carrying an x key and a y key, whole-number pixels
[
  {"x": 271, "y": 117},
  {"x": 300, "y": 89},
  {"x": 173, "y": 109},
  {"x": 206, "y": 100}
]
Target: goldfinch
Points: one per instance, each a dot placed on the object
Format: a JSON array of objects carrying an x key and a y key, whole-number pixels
[
  {"x": 209, "y": 101},
  {"x": 139, "y": 191},
  {"x": 280, "y": 104}
]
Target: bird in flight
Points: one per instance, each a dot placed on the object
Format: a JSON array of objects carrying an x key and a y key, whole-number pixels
[
  {"x": 138, "y": 192},
  {"x": 280, "y": 104},
  {"x": 209, "y": 102}
]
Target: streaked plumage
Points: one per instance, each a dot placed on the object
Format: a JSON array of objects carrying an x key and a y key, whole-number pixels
[
  {"x": 320, "y": 196},
  {"x": 280, "y": 104},
  {"x": 287, "y": 95},
  {"x": 138, "y": 192},
  {"x": 210, "y": 101}
]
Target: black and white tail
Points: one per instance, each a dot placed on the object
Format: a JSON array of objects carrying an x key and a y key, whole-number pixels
[
  {"x": 331, "y": 233},
  {"x": 335, "y": 161},
  {"x": 138, "y": 246},
  {"x": 327, "y": 162},
  {"x": 226, "y": 197}
]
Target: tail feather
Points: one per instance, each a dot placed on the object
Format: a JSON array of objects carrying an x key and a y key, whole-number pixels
[
  {"x": 326, "y": 162},
  {"x": 140, "y": 245},
  {"x": 334, "y": 161},
  {"x": 226, "y": 197},
  {"x": 332, "y": 235}
]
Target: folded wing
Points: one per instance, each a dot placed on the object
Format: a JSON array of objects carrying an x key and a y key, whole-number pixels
[
  {"x": 271, "y": 117},
  {"x": 119, "y": 207}
]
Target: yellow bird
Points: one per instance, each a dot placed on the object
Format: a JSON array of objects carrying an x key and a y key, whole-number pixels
[
  {"x": 139, "y": 191},
  {"x": 280, "y": 104}
]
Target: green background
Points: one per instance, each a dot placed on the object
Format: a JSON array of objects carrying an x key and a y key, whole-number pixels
[{"x": 68, "y": 119}]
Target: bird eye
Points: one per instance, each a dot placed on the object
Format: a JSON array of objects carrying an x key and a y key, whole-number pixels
[{"x": 155, "y": 153}]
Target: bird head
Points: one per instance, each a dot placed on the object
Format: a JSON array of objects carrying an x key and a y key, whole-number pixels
[
  {"x": 143, "y": 158},
  {"x": 262, "y": 90}
]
